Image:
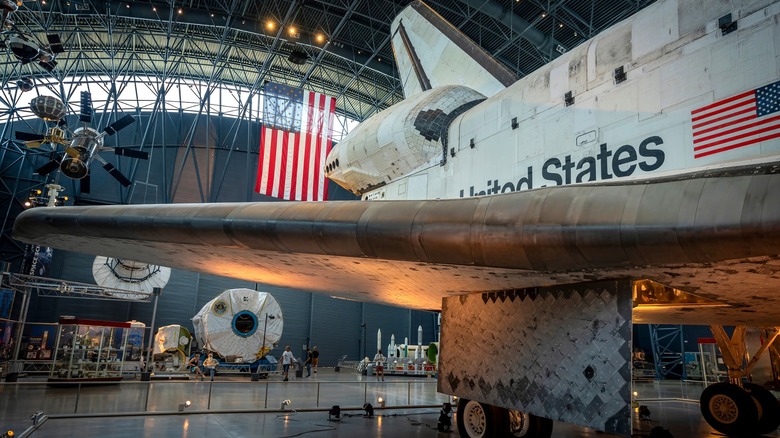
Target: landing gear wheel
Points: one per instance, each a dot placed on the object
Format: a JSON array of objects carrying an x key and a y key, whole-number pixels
[
  {"x": 475, "y": 420},
  {"x": 769, "y": 408},
  {"x": 515, "y": 424},
  {"x": 729, "y": 409}
]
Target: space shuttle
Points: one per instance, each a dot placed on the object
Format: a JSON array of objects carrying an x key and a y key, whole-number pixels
[{"x": 634, "y": 179}]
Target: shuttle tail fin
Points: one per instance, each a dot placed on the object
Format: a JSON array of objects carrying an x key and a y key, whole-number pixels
[{"x": 430, "y": 52}]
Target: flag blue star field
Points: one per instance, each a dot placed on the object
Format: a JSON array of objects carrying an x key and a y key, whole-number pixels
[
  {"x": 295, "y": 139},
  {"x": 737, "y": 121}
]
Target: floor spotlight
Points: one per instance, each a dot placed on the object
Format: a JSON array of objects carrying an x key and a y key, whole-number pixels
[
  {"x": 186, "y": 404},
  {"x": 381, "y": 402},
  {"x": 334, "y": 414},
  {"x": 285, "y": 403},
  {"x": 445, "y": 422},
  {"x": 369, "y": 410},
  {"x": 38, "y": 418}
]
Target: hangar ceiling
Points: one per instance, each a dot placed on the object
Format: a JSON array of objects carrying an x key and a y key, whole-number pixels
[
  {"x": 192, "y": 71},
  {"x": 245, "y": 43}
]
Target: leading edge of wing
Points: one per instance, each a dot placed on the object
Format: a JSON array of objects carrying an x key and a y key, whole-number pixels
[{"x": 724, "y": 215}]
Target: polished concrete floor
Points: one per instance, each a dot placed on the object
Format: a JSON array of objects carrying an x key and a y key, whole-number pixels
[{"x": 228, "y": 408}]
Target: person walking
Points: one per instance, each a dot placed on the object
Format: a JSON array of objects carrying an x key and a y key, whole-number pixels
[
  {"x": 315, "y": 358},
  {"x": 309, "y": 359},
  {"x": 379, "y": 364},
  {"x": 194, "y": 366},
  {"x": 287, "y": 360},
  {"x": 210, "y": 364}
]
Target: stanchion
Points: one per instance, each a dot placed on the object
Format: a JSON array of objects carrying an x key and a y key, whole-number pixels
[{"x": 149, "y": 367}]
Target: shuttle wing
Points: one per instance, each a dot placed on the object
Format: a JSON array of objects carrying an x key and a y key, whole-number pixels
[
  {"x": 430, "y": 53},
  {"x": 713, "y": 234}
]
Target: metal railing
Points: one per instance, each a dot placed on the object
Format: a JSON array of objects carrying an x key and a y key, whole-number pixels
[{"x": 85, "y": 399}]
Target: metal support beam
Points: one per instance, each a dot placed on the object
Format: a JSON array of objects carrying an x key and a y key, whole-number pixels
[
  {"x": 52, "y": 287},
  {"x": 668, "y": 351},
  {"x": 157, "y": 291},
  {"x": 734, "y": 351}
]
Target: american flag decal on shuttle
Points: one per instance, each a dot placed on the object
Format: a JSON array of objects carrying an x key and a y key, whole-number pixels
[{"x": 737, "y": 121}]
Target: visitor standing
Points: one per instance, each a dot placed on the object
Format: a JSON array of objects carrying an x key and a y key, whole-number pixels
[
  {"x": 308, "y": 362},
  {"x": 315, "y": 358},
  {"x": 379, "y": 365},
  {"x": 287, "y": 360}
]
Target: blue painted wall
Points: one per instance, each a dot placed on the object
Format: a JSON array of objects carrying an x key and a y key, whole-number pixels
[{"x": 333, "y": 325}]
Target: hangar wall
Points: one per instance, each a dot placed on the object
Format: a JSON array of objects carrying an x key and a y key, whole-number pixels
[{"x": 331, "y": 324}]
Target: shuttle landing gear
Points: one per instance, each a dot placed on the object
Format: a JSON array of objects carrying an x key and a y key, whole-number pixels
[
  {"x": 475, "y": 420},
  {"x": 736, "y": 408},
  {"x": 729, "y": 409},
  {"x": 768, "y": 408},
  {"x": 480, "y": 420},
  {"x": 520, "y": 424}
]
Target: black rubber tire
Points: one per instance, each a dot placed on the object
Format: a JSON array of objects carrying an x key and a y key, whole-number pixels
[
  {"x": 769, "y": 416},
  {"x": 516, "y": 424},
  {"x": 475, "y": 420},
  {"x": 729, "y": 409}
]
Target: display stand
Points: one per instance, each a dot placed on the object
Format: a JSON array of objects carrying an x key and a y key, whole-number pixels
[
  {"x": 89, "y": 350},
  {"x": 709, "y": 360}
]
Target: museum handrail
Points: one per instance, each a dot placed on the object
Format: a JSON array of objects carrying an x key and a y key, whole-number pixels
[{"x": 82, "y": 399}]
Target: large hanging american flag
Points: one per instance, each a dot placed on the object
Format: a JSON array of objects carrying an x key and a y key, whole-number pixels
[{"x": 294, "y": 141}]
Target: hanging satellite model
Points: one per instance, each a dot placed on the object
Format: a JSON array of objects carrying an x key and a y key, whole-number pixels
[
  {"x": 239, "y": 323},
  {"x": 84, "y": 146},
  {"x": 24, "y": 46},
  {"x": 129, "y": 276},
  {"x": 50, "y": 109}
]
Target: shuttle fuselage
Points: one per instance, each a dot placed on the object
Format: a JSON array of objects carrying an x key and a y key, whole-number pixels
[{"x": 528, "y": 136}]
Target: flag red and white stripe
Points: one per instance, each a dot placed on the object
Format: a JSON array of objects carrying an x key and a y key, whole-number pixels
[
  {"x": 737, "y": 121},
  {"x": 293, "y": 151}
]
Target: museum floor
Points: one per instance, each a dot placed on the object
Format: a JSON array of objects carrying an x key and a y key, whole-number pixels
[{"x": 228, "y": 408}]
